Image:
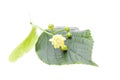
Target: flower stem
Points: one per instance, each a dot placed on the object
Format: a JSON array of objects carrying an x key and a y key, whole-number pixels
[
  {"x": 42, "y": 29},
  {"x": 59, "y": 31}
]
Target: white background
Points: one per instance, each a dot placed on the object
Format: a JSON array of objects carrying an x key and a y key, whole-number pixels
[{"x": 102, "y": 17}]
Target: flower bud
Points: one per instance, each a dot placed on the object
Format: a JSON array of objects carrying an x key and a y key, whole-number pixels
[
  {"x": 67, "y": 29},
  {"x": 64, "y": 48},
  {"x": 69, "y": 35},
  {"x": 51, "y": 27}
]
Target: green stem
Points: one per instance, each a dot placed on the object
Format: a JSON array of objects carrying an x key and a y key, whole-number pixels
[
  {"x": 59, "y": 31},
  {"x": 41, "y": 29},
  {"x": 45, "y": 31}
]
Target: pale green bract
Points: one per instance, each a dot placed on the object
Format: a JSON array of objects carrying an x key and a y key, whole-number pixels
[
  {"x": 25, "y": 46},
  {"x": 79, "y": 50}
]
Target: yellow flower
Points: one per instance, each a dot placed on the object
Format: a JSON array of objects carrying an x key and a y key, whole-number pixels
[{"x": 58, "y": 41}]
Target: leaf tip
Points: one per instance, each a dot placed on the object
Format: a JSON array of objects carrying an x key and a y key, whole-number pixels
[{"x": 94, "y": 64}]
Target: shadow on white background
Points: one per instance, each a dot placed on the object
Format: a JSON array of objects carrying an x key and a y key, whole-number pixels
[{"x": 102, "y": 17}]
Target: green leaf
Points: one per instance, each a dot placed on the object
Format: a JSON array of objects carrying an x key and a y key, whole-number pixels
[
  {"x": 25, "y": 46},
  {"x": 79, "y": 49}
]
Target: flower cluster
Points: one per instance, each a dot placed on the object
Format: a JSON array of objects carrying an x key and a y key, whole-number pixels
[{"x": 58, "y": 41}]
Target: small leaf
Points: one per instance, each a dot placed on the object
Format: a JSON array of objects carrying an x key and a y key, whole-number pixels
[
  {"x": 25, "y": 46},
  {"x": 79, "y": 49}
]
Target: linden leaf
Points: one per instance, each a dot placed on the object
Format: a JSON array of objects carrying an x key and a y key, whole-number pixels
[
  {"x": 79, "y": 49},
  {"x": 25, "y": 46}
]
